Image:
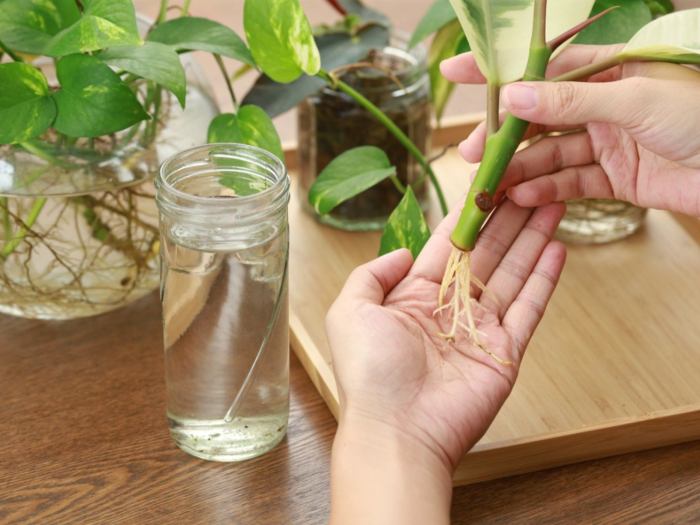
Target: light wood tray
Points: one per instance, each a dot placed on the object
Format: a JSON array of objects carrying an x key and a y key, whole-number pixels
[{"x": 613, "y": 368}]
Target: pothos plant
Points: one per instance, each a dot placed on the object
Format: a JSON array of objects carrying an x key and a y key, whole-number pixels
[{"x": 109, "y": 89}]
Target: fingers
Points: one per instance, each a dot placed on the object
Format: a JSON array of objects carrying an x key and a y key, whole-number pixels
[
  {"x": 517, "y": 264},
  {"x": 572, "y": 103},
  {"x": 523, "y": 316},
  {"x": 549, "y": 155},
  {"x": 579, "y": 182},
  {"x": 371, "y": 282},
  {"x": 464, "y": 70}
]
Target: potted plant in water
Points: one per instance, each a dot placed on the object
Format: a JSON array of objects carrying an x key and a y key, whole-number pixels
[{"x": 89, "y": 107}]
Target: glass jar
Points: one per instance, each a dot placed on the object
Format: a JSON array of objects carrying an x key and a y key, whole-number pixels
[
  {"x": 597, "y": 221},
  {"x": 224, "y": 251},
  {"x": 78, "y": 219},
  {"x": 330, "y": 123}
]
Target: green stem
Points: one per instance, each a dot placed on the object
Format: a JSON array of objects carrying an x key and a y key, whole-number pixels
[
  {"x": 163, "y": 12},
  {"x": 34, "y": 148},
  {"x": 227, "y": 79},
  {"x": 493, "y": 92},
  {"x": 186, "y": 8},
  {"x": 33, "y": 215},
  {"x": 9, "y": 51},
  {"x": 393, "y": 129},
  {"x": 501, "y": 146},
  {"x": 398, "y": 184}
]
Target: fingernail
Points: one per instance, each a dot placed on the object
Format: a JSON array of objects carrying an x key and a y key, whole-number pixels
[{"x": 520, "y": 96}]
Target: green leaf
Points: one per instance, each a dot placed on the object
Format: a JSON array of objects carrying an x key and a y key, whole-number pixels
[
  {"x": 281, "y": 39},
  {"x": 619, "y": 25},
  {"x": 406, "y": 227},
  {"x": 660, "y": 7},
  {"x": 438, "y": 16},
  {"x": 499, "y": 31},
  {"x": 104, "y": 23},
  {"x": 250, "y": 126},
  {"x": 26, "y": 108},
  {"x": 671, "y": 38},
  {"x": 28, "y": 25},
  {"x": 152, "y": 61},
  {"x": 357, "y": 8},
  {"x": 348, "y": 175},
  {"x": 93, "y": 100},
  {"x": 448, "y": 42},
  {"x": 337, "y": 49},
  {"x": 190, "y": 33}
]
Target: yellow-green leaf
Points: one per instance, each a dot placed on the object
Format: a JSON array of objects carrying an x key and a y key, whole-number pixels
[
  {"x": 448, "y": 42},
  {"x": 499, "y": 31},
  {"x": 280, "y": 39},
  {"x": 250, "y": 125},
  {"x": 406, "y": 227}
]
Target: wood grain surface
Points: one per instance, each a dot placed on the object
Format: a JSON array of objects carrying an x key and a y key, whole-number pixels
[
  {"x": 613, "y": 368},
  {"x": 84, "y": 441}
]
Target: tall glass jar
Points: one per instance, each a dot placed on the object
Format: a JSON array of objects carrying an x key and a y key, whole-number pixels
[
  {"x": 330, "y": 123},
  {"x": 224, "y": 251}
]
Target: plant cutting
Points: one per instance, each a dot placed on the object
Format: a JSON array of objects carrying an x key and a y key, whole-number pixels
[
  {"x": 89, "y": 92},
  {"x": 492, "y": 28}
]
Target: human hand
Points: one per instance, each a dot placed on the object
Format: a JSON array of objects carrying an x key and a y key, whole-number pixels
[
  {"x": 406, "y": 391},
  {"x": 640, "y": 142}
]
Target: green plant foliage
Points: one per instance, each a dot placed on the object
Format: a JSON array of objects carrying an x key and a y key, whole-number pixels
[
  {"x": 660, "y": 7},
  {"x": 355, "y": 7},
  {"x": 26, "y": 108},
  {"x": 93, "y": 100},
  {"x": 438, "y": 16},
  {"x": 250, "y": 125},
  {"x": 348, "y": 175},
  {"x": 201, "y": 34},
  {"x": 27, "y": 26},
  {"x": 448, "y": 42},
  {"x": 619, "y": 25},
  {"x": 336, "y": 49},
  {"x": 406, "y": 227},
  {"x": 152, "y": 61},
  {"x": 104, "y": 23},
  {"x": 281, "y": 39}
]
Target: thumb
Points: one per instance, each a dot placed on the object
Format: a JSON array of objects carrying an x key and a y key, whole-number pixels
[
  {"x": 373, "y": 281},
  {"x": 572, "y": 103}
]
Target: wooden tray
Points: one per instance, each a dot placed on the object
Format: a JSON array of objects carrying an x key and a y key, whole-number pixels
[{"x": 613, "y": 368}]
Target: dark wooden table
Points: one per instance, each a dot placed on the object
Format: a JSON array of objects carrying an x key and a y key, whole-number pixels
[{"x": 83, "y": 439}]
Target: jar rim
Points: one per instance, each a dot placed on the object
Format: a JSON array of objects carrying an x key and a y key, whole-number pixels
[{"x": 167, "y": 190}]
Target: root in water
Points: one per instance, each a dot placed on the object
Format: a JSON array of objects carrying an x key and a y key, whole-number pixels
[{"x": 460, "y": 307}]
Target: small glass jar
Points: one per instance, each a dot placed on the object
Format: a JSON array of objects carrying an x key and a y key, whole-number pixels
[
  {"x": 330, "y": 123},
  {"x": 224, "y": 251},
  {"x": 597, "y": 221}
]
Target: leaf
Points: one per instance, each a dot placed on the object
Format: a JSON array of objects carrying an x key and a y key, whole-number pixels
[
  {"x": 152, "y": 61},
  {"x": 93, "y": 100},
  {"x": 499, "y": 31},
  {"x": 27, "y": 26},
  {"x": 406, "y": 227},
  {"x": 104, "y": 23},
  {"x": 355, "y": 7},
  {"x": 438, "y": 16},
  {"x": 26, "y": 108},
  {"x": 671, "y": 38},
  {"x": 190, "y": 33},
  {"x": 619, "y": 25},
  {"x": 660, "y": 7},
  {"x": 250, "y": 125},
  {"x": 448, "y": 42},
  {"x": 280, "y": 39},
  {"x": 348, "y": 175},
  {"x": 337, "y": 49}
]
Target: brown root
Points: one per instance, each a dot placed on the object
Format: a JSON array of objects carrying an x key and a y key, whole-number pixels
[{"x": 460, "y": 307}]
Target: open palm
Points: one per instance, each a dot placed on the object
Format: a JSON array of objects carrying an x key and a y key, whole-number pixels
[{"x": 390, "y": 360}]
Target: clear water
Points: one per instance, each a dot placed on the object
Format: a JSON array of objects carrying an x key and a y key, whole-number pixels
[{"x": 226, "y": 346}]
